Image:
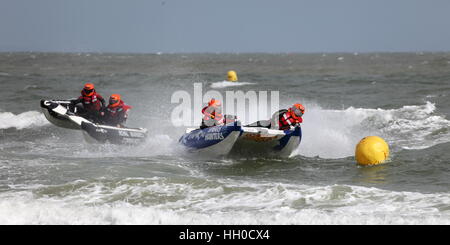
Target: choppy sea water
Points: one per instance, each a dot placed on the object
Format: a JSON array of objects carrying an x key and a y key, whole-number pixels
[{"x": 50, "y": 175}]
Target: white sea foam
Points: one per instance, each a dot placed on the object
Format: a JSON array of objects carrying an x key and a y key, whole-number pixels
[
  {"x": 335, "y": 133},
  {"x": 156, "y": 201},
  {"x": 23, "y": 120},
  {"x": 225, "y": 84},
  {"x": 156, "y": 144}
]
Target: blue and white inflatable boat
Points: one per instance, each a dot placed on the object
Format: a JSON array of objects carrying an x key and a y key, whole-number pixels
[{"x": 236, "y": 139}]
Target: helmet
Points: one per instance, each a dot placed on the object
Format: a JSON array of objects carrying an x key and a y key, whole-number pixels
[
  {"x": 214, "y": 102},
  {"x": 114, "y": 100},
  {"x": 232, "y": 76},
  {"x": 298, "y": 110},
  {"x": 88, "y": 89}
]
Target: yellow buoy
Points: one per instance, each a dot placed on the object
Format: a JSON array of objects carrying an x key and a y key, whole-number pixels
[
  {"x": 371, "y": 150},
  {"x": 232, "y": 76}
]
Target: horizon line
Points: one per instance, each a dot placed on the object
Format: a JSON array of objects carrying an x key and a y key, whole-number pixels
[{"x": 233, "y": 53}]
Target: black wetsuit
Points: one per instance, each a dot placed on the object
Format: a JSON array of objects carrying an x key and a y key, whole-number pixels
[{"x": 273, "y": 123}]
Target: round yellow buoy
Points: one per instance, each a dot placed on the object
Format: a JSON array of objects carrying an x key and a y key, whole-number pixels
[
  {"x": 232, "y": 76},
  {"x": 371, "y": 150}
]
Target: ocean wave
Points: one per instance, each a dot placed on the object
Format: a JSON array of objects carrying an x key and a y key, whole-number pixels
[
  {"x": 335, "y": 133},
  {"x": 225, "y": 84},
  {"x": 157, "y": 201},
  {"x": 23, "y": 120}
]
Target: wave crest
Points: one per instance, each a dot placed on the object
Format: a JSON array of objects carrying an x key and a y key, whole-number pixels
[
  {"x": 23, "y": 120},
  {"x": 335, "y": 133},
  {"x": 225, "y": 84}
]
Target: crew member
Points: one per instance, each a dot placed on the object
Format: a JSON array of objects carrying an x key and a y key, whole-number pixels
[
  {"x": 283, "y": 119},
  {"x": 289, "y": 118},
  {"x": 92, "y": 103},
  {"x": 116, "y": 113},
  {"x": 212, "y": 114}
]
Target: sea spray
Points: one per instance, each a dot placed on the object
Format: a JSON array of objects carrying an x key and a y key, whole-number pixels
[{"x": 335, "y": 133}]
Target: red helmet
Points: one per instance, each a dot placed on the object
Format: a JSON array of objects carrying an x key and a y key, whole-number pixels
[
  {"x": 214, "y": 102},
  {"x": 297, "y": 110},
  {"x": 88, "y": 89},
  {"x": 114, "y": 100}
]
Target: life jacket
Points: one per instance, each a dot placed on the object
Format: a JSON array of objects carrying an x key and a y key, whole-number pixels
[
  {"x": 210, "y": 113},
  {"x": 114, "y": 111},
  {"x": 91, "y": 103},
  {"x": 115, "y": 115},
  {"x": 288, "y": 119}
]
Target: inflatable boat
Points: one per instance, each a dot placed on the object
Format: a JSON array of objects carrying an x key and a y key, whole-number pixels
[
  {"x": 107, "y": 134},
  {"x": 242, "y": 140},
  {"x": 62, "y": 114}
]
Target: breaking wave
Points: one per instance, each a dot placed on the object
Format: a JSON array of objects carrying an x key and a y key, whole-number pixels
[
  {"x": 156, "y": 201},
  {"x": 225, "y": 84},
  {"x": 335, "y": 133},
  {"x": 23, "y": 120}
]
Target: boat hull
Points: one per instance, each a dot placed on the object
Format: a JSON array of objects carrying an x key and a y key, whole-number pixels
[
  {"x": 217, "y": 140},
  {"x": 234, "y": 139},
  {"x": 94, "y": 133},
  {"x": 58, "y": 119},
  {"x": 257, "y": 144}
]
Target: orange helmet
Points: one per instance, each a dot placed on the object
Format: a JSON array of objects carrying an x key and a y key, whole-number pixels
[
  {"x": 297, "y": 110},
  {"x": 214, "y": 102},
  {"x": 114, "y": 100},
  {"x": 88, "y": 89}
]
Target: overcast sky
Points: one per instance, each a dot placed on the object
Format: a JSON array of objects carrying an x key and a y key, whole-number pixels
[{"x": 150, "y": 26}]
